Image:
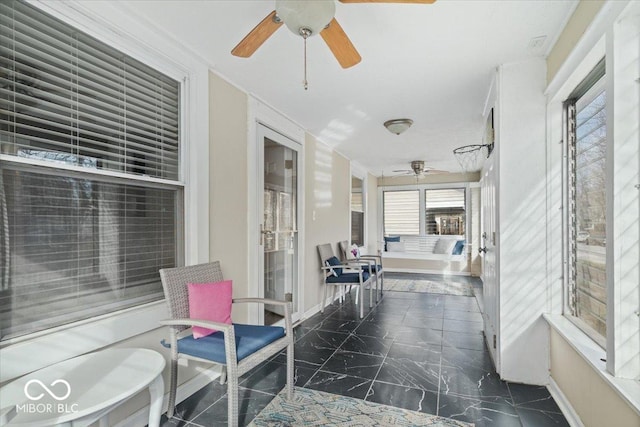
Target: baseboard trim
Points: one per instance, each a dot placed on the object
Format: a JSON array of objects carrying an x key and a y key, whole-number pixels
[
  {"x": 140, "y": 418},
  {"x": 563, "y": 403}
]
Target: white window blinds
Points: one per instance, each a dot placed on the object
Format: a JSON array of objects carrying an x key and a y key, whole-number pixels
[
  {"x": 62, "y": 91},
  {"x": 76, "y": 239},
  {"x": 401, "y": 212}
]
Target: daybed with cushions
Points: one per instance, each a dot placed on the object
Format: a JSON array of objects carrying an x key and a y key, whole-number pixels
[{"x": 430, "y": 253}]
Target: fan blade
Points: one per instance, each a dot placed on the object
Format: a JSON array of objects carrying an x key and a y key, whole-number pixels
[
  {"x": 340, "y": 45},
  {"x": 390, "y": 1},
  {"x": 434, "y": 171},
  {"x": 252, "y": 41}
]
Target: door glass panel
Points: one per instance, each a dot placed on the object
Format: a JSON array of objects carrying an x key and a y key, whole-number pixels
[{"x": 280, "y": 231}]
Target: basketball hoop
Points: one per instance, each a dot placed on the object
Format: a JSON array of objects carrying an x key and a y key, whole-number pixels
[
  {"x": 469, "y": 158},
  {"x": 469, "y": 155}
]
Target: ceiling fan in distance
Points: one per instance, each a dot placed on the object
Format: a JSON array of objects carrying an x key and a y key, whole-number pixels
[
  {"x": 419, "y": 169},
  {"x": 307, "y": 18}
]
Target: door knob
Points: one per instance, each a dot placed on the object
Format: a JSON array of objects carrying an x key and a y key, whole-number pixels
[{"x": 482, "y": 250}]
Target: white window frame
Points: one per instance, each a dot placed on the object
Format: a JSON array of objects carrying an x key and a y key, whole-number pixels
[
  {"x": 359, "y": 172},
  {"x": 586, "y": 98},
  {"x": 613, "y": 34},
  {"x": 421, "y": 215},
  {"x": 422, "y": 202},
  {"x": 119, "y": 28}
]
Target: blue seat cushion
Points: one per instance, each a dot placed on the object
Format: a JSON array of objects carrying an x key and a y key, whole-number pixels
[
  {"x": 348, "y": 278},
  {"x": 249, "y": 339}
]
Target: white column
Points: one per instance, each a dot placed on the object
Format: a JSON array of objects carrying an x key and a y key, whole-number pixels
[{"x": 623, "y": 243}]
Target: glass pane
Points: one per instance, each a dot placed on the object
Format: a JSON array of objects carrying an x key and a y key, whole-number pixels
[
  {"x": 357, "y": 211},
  {"x": 356, "y": 195},
  {"x": 280, "y": 227},
  {"x": 357, "y": 228},
  {"x": 590, "y": 213},
  {"x": 401, "y": 212},
  {"x": 75, "y": 248},
  {"x": 445, "y": 211}
]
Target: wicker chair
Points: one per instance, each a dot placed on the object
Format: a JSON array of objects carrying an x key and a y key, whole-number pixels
[
  {"x": 237, "y": 348},
  {"x": 343, "y": 274},
  {"x": 376, "y": 267}
]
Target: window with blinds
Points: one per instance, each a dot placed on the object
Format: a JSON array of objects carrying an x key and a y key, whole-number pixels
[
  {"x": 357, "y": 212},
  {"x": 401, "y": 211},
  {"x": 587, "y": 146},
  {"x": 77, "y": 239},
  {"x": 445, "y": 211}
]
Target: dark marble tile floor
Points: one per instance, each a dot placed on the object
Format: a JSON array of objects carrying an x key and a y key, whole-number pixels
[{"x": 423, "y": 352}]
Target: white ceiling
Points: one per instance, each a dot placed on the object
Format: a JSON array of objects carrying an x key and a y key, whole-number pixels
[{"x": 431, "y": 63}]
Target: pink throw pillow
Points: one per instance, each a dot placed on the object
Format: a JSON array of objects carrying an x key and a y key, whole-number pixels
[{"x": 209, "y": 301}]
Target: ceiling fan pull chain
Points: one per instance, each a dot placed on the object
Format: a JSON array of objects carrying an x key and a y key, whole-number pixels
[{"x": 305, "y": 82}]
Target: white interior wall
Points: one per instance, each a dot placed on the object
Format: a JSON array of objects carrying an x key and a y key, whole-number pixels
[
  {"x": 327, "y": 217},
  {"x": 623, "y": 188},
  {"x": 524, "y": 339}
]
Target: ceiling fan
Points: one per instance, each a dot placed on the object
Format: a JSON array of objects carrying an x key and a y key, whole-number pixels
[
  {"x": 308, "y": 18},
  {"x": 418, "y": 169}
]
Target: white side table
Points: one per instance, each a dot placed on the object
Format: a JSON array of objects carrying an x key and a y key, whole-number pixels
[{"x": 82, "y": 390}]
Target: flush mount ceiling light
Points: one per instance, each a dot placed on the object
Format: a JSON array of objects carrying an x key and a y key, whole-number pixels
[{"x": 398, "y": 126}]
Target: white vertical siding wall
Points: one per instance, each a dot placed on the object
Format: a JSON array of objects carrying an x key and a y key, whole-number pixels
[{"x": 524, "y": 336}]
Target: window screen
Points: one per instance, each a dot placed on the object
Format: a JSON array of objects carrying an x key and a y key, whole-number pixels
[{"x": 587, "y": 146}]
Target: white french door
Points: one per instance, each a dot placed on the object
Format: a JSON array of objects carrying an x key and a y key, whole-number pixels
[
  {"x": 278, "y": 216},
  {"x": 489, "y": 250}
]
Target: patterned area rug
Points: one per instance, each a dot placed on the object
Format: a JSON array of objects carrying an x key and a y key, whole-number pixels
[
  {"x": 317, "y": 408},
  {"x": 427, "y": 286}
]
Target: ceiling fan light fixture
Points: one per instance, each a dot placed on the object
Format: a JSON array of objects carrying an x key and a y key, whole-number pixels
[
  {"x": 398, "y": 126},
  {"x": 306, "y": 18},
  {"x": 417, "y": 166}
]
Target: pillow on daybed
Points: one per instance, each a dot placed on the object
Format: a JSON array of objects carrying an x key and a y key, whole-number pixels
[
  {"x": 444, "y": 246},
  {"x": 209, "y": 301},
  {"x": 334, "y": 261},
  {"x": 388, "y": 239},
  {"x": 395, "y": 247},
  {"x": 458, "y": 248}
]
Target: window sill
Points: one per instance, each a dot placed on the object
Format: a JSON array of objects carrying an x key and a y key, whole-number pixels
[
  {"x": 592, "y": 353},
  {"x": 22, "y": 355}
]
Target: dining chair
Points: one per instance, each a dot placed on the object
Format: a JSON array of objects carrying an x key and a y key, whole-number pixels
[
  {"x": 376, "y": 267},
  {"x": 343, "y": 274}
]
